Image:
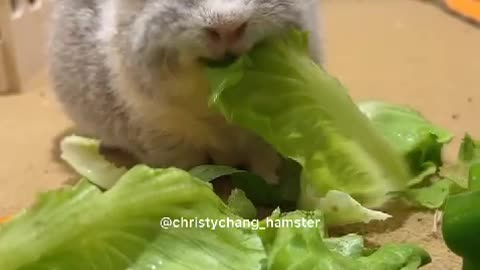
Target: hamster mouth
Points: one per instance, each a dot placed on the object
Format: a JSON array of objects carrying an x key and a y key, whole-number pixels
[{"x": 226, "y": 60}]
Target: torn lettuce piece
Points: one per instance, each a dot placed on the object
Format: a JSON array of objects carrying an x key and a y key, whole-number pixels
[
  {"x": 279, "y": 93},
  {"x": 417, "y": 139},
  {"x": 127, "y": 227},
  {"x": 340, "y": 209},
  {"x": 241, "y": 205},
  {"x": 83, "y": 155},
  {"x": 469, "y": 149},
  {"x": 350, "y": 245},
  {"x": 468, "y": 157},
  {"x": 307, "y": 247},
  {"x": 429, "y": 170}
]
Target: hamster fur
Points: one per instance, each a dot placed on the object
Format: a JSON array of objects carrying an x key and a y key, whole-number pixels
[{"x": 127, "y": 72}]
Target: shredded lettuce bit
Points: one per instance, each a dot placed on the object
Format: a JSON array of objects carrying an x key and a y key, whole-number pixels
[{"x": 279, "y": 93}]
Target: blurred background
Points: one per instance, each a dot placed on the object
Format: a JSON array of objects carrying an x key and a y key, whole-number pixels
[{"x": 411, "y": 52}]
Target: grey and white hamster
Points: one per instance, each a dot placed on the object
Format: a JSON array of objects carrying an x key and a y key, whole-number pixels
[{"x": 128, "y": 72}]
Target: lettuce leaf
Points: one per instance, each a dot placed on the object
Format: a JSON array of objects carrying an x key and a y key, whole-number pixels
[
  {"x": 279, "y": 93},
  {"x": 417, "y": 139},
  {"x": 82, "y": 228}
]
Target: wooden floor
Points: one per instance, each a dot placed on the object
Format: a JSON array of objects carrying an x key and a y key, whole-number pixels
[{"x": 402, "y": 51}]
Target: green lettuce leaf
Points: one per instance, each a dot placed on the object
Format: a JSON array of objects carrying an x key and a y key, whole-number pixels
[
  {"x": 82, "y": 228},
  {"x": 83, "y": 155},
  {"x": 417, "y": 139},
  {"x": 350, "y": 245},
  {"x": 306, "y": 247},
  {"x": 279, "y": 93}
]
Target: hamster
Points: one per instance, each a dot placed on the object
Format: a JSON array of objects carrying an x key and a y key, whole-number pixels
[{"x": 128, "y": 73}]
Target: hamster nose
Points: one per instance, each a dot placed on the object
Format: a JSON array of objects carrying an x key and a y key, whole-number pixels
[{"x": 226, "y": 33}]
